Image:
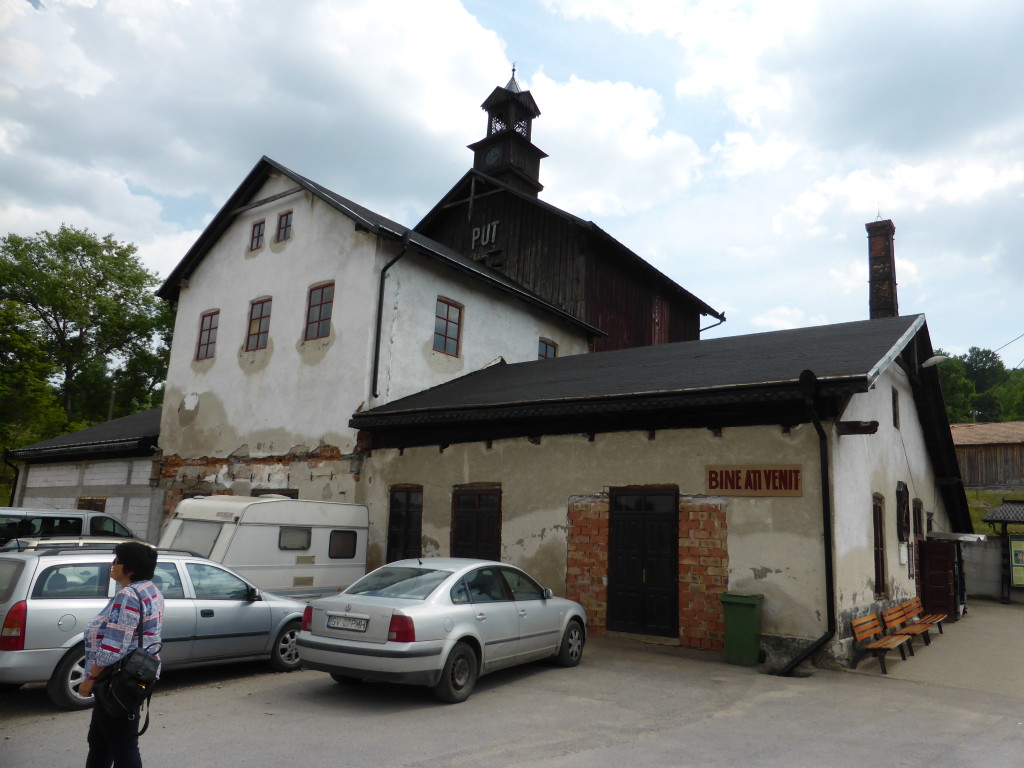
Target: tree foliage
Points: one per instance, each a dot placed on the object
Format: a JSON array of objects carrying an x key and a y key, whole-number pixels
[
  {"x": 957, "y": 389},
  {"x": 80, "y": 320},
  {"x": 977, "y": 386}
]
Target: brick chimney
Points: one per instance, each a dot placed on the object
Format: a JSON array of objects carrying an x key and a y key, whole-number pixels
[{"x": 882, "y": 269}]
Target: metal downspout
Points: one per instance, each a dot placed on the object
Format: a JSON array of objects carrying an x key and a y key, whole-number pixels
[
  {"x": 808, "y": 385},
  {"x": 380, "y": 308}
]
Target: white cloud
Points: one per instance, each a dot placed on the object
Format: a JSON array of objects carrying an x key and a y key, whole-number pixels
[
  {"x": 780, "y": 318},
  {"x": 738, "y": 145},
  {"x": 610, "y": 162},
  {"x": 742, "y": 155}
]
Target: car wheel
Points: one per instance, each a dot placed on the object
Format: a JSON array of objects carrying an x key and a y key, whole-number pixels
[
  {"x": 345, "y": 679},
  {"x": 284, "y": 656},
  {"x": 458, "y": 676},
  {"x": 571, "y": 651},
  {"x": 62, "y": 687}
]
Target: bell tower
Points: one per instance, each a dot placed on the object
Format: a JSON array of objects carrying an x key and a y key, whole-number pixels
[{"x": 507, "y": 152}]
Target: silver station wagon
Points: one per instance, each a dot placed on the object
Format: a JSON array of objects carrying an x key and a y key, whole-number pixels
[
  {"x": 211, "y": 616},
  {"x": 439, "y": 622}
]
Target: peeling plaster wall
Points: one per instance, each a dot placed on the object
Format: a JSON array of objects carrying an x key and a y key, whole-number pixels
[
  {"x": 774, "y": 543},
  {"x": 867, "y": 464},
  {"x": 295, "y": 395},
  {"x": 278, "y": 417}
]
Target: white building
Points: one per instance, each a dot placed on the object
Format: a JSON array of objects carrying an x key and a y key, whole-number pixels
[{"x": 297, "y": 308}]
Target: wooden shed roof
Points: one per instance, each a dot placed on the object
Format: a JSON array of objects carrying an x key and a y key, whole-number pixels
[{"x": 994, "y": 433}]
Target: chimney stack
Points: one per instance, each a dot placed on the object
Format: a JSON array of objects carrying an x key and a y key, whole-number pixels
[{"x": 882, "y": 269}]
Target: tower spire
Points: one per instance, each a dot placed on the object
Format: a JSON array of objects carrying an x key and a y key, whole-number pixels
[
  {"x": 513, "y": 84},
  {"x": 507, "y": 152}
]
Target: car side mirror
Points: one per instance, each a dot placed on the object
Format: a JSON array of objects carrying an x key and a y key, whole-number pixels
[
  {"x": 548, "y": 594},
  {"x": 253, "y": 594}
]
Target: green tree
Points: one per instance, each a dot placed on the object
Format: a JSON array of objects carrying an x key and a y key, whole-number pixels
[
  {"x": 957, "y": 390},
  {"x": 984, "y": 368},
  {"x": 29, "y": 403},
  {"x": 89, "y": 304},
  {"x": 1011, "y": 396}
]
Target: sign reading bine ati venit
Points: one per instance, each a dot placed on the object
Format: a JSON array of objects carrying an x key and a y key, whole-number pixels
[{"x": 754, "y": 480}]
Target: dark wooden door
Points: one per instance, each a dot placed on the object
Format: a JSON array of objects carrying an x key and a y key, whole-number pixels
[
  {"x": 643, "y": 563},
  {"x": 476, "y": 522},
  {"x": 937, "y": 583}
]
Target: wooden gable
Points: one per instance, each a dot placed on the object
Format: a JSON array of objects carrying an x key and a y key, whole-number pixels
[{"x": 567, "y": 261}]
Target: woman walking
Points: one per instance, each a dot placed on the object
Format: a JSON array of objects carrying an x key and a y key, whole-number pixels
[{"x": 134, "y": 616}]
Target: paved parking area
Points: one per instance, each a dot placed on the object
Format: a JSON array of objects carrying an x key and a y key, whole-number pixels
[
  {"x": 628, "y": 704},
  {"x": 983, "y": 651}
]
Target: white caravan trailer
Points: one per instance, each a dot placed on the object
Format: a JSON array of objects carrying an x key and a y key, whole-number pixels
[{"x": 289, "y": 546}]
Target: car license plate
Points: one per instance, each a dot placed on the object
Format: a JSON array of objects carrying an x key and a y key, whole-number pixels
[{"x": 346, "y": 622}]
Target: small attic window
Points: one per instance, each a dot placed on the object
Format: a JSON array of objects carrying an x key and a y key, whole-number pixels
[
  {"x": 256, "y": 238},
  {"x": 284, "y": 226},
  {"x": 895, "y": 408},
  {"x": 546, "y": 349}
]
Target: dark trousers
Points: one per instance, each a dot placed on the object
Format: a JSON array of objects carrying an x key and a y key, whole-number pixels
[{"x": 113, "y": 742}]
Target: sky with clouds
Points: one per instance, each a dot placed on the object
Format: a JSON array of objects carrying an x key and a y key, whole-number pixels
[{"x": 738, "y": 146}]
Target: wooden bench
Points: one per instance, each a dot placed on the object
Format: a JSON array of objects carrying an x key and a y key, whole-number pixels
[
  {"x": 896, "y": 621},
  {"x": 868, "y": 630},
  {"x": 914, "y": 611}
]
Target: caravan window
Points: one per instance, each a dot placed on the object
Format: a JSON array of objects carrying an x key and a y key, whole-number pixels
[
  {"x": 196, "y": 536},
  {"x": 294, "y": 538},
  {"x": 342, "y": 546}
]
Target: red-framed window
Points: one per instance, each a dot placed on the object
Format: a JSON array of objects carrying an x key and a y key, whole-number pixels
[
  {"x": 447, "y": 327},
  {"x": 207, "y": 335},
  {"x": 547, "y": 349},
  {"x": 318, "y": 313},
  {"x": 259, "y": 325},
  {"x": 256, "y": 238},
  {"x": 284, "y": 226}
]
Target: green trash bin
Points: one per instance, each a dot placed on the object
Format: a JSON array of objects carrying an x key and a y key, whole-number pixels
[{"x": 742, "y": 628}]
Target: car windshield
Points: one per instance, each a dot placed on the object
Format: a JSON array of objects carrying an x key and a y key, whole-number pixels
[{"x": 407, "y": 583}]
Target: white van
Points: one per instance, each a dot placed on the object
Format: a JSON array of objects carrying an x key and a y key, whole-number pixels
[{"x": 288, "y": 546}]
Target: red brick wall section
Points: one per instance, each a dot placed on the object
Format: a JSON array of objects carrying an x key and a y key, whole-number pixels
[{"x": 703, "y": 567}]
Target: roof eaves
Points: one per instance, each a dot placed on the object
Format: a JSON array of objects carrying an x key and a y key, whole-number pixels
[
  {"x": 753, "y": 392},
  {"x": 896, "y": 350},
  {"x": 135, "y": 444}
]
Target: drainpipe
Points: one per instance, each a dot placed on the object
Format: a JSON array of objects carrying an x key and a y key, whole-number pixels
[
  {"x": 808, "y": 385},
  {"x": 380, "y": 308}
]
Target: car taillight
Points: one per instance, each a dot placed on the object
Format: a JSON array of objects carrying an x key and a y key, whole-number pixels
[
  {"x": 402, "y": 629},
  {"x": 12, "y": 636},
  {"x": 307, "y": 619}
]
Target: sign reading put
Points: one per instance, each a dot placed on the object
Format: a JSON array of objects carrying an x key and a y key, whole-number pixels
[{"x": 754, "y": 480}]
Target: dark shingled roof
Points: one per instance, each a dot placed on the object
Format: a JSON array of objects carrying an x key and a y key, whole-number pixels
[
  {"x": 1007, "y": 512},
  {"x": 134, "y": 435},
  {"x": 845, "y": 356}
]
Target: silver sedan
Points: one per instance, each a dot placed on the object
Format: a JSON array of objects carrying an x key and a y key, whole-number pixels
[{"x": 439, "y": 622}]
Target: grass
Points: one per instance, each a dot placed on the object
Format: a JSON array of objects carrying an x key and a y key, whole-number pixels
[{"x": 981, "y": 502}]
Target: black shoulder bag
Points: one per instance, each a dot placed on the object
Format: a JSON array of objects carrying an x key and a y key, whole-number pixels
[{"x": 124, "y": 686}]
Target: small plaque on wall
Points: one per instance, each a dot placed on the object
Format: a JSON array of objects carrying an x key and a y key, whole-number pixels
[{"x": 754, "y": 480}]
